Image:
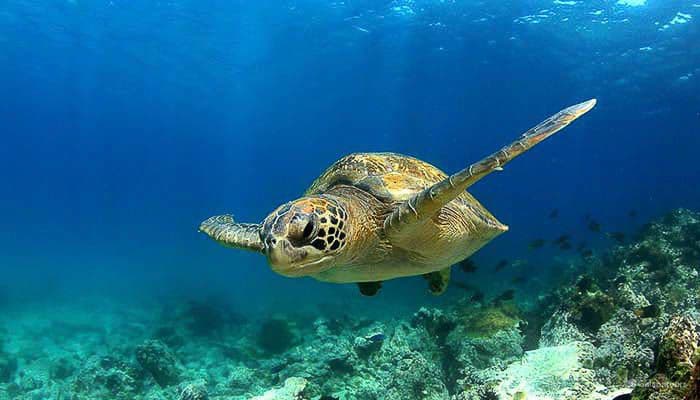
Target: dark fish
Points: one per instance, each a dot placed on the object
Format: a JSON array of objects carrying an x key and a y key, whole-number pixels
[
  {"x": 536, "y": 244},
  {"x": 505, "y": 296},
  {"x": 519, "y": 279},
  {"x": 468, "y": 266},
  {"x": 593, "y": 226},
  {"x": 376, "y": 337},
  {"x": 562, "y": 239},
  {"x": 563, "y": 242},
  {"x": 501, "y": 264},
  {"x": 632, "y": 213},
  {"x": 554, "y": 214},
  {"x": 619, "y": 237},
  {"x": 477, "y": 297},
  {"x": 586, "y": 253}
]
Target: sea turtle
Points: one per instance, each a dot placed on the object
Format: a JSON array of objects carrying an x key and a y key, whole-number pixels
[{"x": 371, "y": 217}]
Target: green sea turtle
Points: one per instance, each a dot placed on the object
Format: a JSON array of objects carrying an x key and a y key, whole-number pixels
[{"x": 371, "y": 217}]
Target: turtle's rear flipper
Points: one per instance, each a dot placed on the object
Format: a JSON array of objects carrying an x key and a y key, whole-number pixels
[
  {"x": 369, "y": 288},
  {"x": 424, "y": 204},
  {"x": 438, "y": 281},
  {"x": 224, "y": 230}
]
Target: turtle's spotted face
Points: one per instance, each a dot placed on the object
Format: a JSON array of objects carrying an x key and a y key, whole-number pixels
[{"x": 304, "y": 237}]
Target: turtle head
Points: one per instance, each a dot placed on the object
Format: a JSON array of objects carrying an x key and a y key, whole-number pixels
[{"x": 305, "y": 236}]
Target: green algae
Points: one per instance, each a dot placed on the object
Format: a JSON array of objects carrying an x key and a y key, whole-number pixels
[
  {"x": 590, "y": 307},
  {"x": 492, "y": 319}
]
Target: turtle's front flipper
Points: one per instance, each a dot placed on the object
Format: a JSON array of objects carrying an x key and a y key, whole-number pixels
[
  {"x": 427, "y": 202},
  {"x": 438, "y": 281},
  {"x": 224, "y": 230}
]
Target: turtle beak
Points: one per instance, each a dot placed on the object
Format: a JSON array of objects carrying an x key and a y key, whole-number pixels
[{"x": 282, "y": 257}]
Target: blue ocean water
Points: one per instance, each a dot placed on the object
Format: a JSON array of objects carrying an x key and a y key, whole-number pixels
[{"x": 127, "y": 123}]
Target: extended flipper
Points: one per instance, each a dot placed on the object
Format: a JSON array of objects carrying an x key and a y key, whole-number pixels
[
  {"x": 427, "y": 202},
  {"x": 369, "y": 288},
  {"x": 224, "y": 230}
]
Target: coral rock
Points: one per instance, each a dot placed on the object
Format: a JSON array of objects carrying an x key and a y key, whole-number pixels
[
  {"x": 678, "y": 348},
  {"x": 550, "y": 373},
  {"x": 293, "y": 389},
  {"x": 156, "y": 358},
  {"x": 194, "y": 391}
]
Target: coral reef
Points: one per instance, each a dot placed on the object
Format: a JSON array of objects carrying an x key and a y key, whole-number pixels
[
  {"x": 677, "y": 357},
  {"x": 626, "y": 327},
  {"x": 635, "y": 300},
  {"x": 550, "y": 372},
  {"x": 107, "y": 377}
]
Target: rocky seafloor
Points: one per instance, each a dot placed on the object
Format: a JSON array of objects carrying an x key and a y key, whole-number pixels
[{"x": 626, "y": 326}]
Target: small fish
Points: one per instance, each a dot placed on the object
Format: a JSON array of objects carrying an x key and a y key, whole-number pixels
[
  {"x": 554, "y": 214},
  {"x": 632, "y": 213},
  {"x": 477, "y": 297},
  {"x": 468, "y": 266},
  {"x": 587, "y": 253},
  {"x": 519, "y": 279},
  {"x": 361, "y": 29},
  {"x": 536, "y": 244},
  {"x": 376, "y": 337},
  {"x": 619, "y": 237},
  {"x": 505, "y": 296},
  {"x": 562, "y": 239},
  {"x": 519, "y": 263},
  {"x": 501, "y": 264},
  {"x": 593, "y": 226}
]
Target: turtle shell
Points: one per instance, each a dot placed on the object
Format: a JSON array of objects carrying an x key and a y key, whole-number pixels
[{"x": 389, "y": 177}]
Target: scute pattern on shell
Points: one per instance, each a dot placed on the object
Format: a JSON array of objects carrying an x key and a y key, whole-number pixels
[{"x": 387, "y": 176}]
